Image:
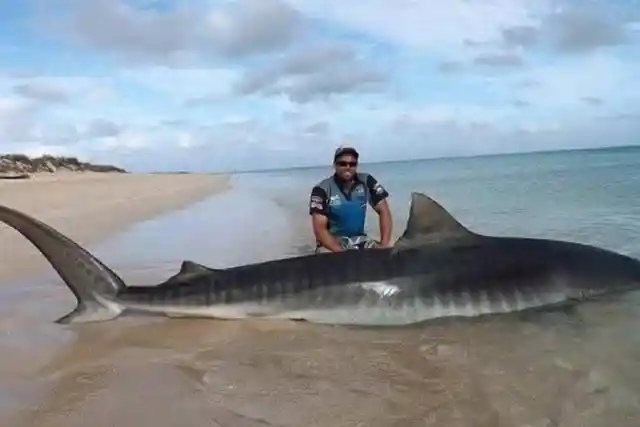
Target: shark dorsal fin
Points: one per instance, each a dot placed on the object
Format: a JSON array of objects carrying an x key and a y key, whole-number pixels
[
  {"x": 429, "y": 222},
  {"x": 191, "y": 267},
  {"x": 188, "y": 269}
]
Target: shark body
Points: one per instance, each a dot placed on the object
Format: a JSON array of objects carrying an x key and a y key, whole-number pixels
[{"x": 437, "y": 268}]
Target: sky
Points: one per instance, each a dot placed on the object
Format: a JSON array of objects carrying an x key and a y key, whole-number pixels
[{"x": 216, "y": 85}]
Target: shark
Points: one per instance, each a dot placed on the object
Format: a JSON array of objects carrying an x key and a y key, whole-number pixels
[{"x": 437, "y": 268}]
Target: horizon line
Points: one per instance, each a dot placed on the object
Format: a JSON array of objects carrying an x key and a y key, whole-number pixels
[{"x": 451, "y": 157}]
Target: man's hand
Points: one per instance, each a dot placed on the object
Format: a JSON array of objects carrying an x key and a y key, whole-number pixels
[{"x": 322, "y": 235}]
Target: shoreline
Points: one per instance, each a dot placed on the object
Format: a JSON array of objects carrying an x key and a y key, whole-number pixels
[{"x": 90, "y": 207}]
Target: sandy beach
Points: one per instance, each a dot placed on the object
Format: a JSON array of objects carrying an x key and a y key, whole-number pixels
[
  {"x": 89, "y": 207},
  {"x": 551, "y": 368}
]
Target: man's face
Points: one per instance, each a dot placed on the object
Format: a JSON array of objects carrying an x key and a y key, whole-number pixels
[{"x": 346, "y": 166}]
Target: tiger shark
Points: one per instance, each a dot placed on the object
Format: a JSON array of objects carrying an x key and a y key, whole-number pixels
[{"x": 437, "y": 268}]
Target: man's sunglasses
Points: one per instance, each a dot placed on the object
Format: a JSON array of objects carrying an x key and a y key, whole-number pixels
[{"x": 344, "y": 164}]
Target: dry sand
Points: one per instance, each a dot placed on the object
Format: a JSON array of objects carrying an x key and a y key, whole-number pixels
[{"x": 89, "y": 207}]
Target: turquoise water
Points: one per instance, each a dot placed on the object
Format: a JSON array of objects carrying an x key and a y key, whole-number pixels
[
  {"x": 588, "y": 196},
  {"x": 555, "y": 369}
]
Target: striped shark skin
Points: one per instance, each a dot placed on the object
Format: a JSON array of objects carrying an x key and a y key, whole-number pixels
[{"x": 437, "y": 268}]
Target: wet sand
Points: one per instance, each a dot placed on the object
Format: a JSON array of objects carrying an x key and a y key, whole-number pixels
[
  {"x": 91, "y": 206},
  {"x": 495, "y": 373},
  {"x": 545, "y": 370}
]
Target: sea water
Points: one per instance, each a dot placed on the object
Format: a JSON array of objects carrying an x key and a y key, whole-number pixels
[
  {"x": 591, "y": 196},
  {"x": 547, "y": 369}
]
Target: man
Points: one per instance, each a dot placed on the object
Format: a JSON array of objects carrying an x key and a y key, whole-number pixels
[{"x": 338, "y": 204}]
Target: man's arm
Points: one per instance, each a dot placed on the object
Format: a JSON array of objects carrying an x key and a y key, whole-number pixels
[
  {"x": 319, "y": 209},
  {"x": 378, "y": 196}
]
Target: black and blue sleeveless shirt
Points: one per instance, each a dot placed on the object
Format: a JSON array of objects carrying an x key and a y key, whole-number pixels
[{"x": 346, "y": 211}]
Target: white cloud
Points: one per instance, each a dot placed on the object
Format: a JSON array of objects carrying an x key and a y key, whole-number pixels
[
  {"x": 319, "y": 71},
  {"x": 431, "y": 25},
  {"x": 565, "y": 84},
  {"x": 183, "y": 84},
  {"x": 251, "y": 25},
  {"x": 16, "y": 115},
  {"x": 282, "y": 82},
  {"x": 141, "y": 34}
]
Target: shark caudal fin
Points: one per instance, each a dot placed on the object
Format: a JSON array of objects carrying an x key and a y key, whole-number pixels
[{"x": 94, "y": 285}]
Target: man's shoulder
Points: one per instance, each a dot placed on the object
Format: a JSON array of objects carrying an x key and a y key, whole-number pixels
[
  {"x": 367, "y": 178},
  {"x": 364, "y": 176},
  {"x": 324, "y": 183},
  {"x": 376, "y": 189}
]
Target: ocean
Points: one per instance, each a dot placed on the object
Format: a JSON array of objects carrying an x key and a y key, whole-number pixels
[{"x": 551, "y": 369}]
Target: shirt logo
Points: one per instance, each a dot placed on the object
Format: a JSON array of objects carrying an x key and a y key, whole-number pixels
[
  {"x": 334, "y": 200},
  {"x": 379, "y": 189},
  {"x": 316, "y": 202}
]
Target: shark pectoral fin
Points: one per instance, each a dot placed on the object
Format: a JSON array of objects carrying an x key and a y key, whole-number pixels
[{"x": 429, "y": 222}]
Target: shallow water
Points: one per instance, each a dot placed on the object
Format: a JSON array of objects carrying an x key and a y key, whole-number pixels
[{"x": 541, "y": 370}]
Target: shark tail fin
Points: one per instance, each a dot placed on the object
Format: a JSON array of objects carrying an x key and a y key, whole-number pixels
[{"x": 94, "y": 285}]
